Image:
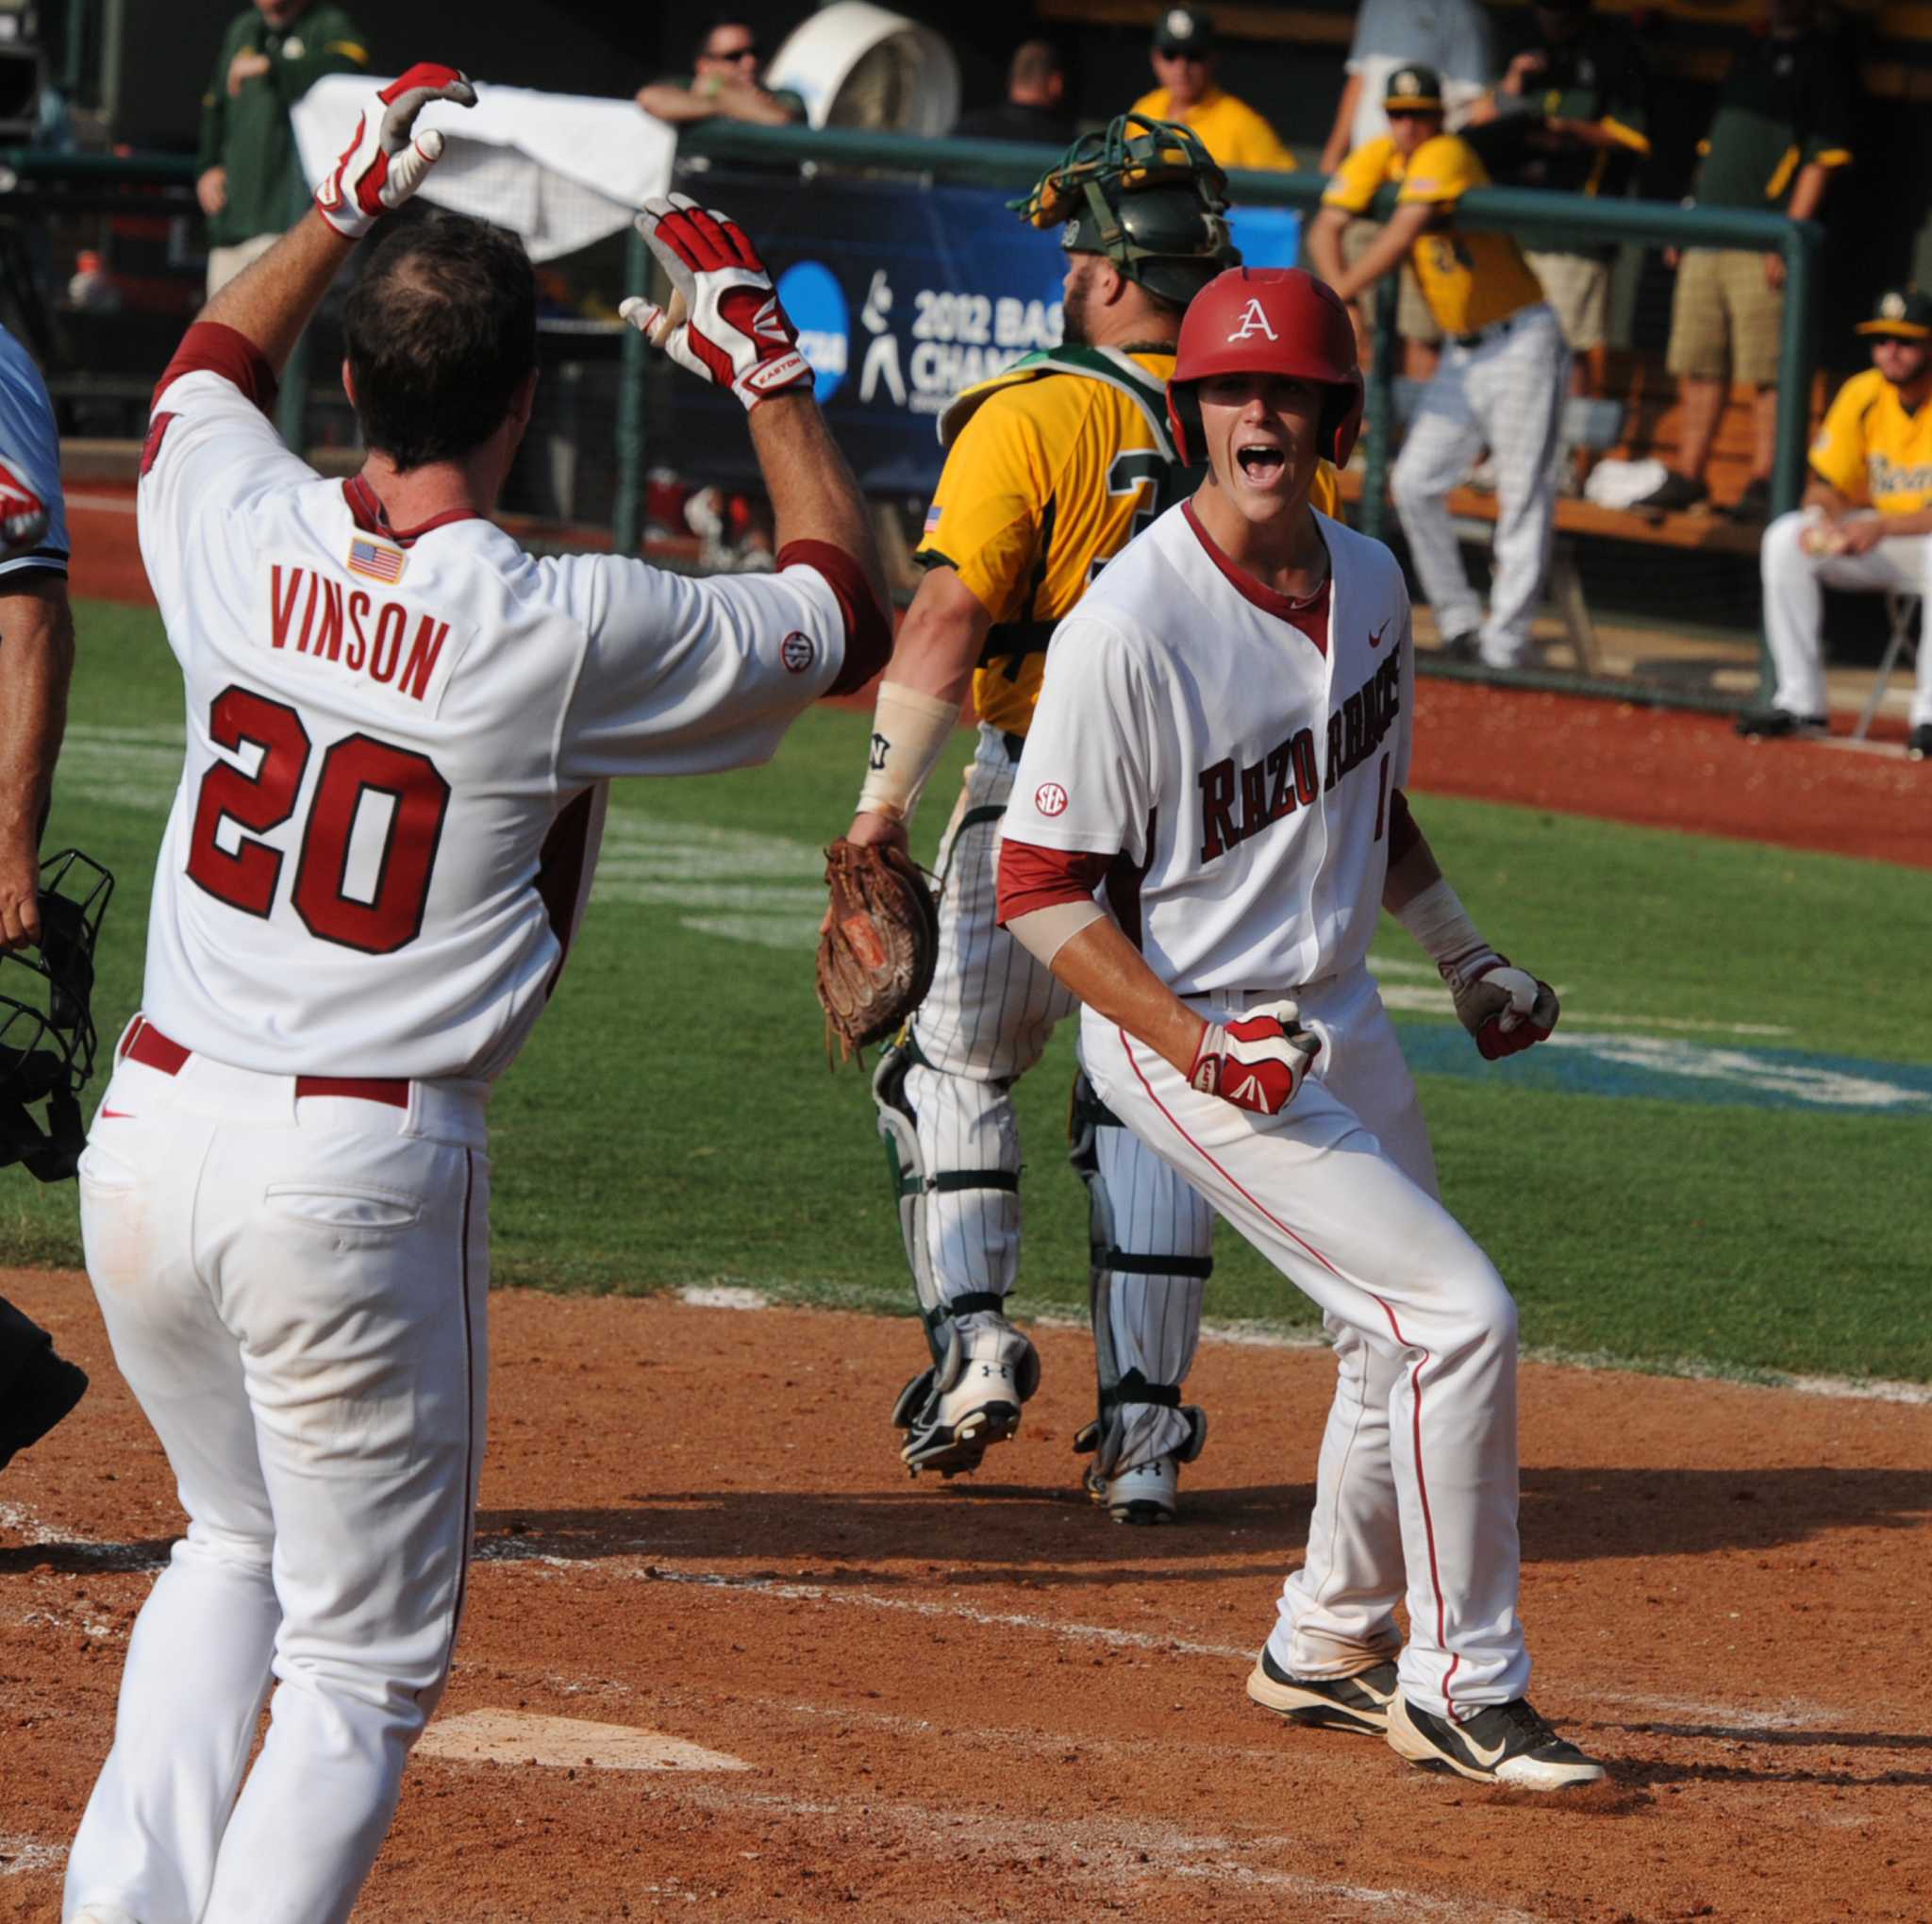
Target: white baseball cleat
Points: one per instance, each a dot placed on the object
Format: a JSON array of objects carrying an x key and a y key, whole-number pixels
[
  {"x": 1502, "y": 1742},
  {"x": 1148, "y": 1492},
  {"x": 988, "y": 1370}
]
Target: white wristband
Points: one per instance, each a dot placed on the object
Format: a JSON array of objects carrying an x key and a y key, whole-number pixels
[
  {"x": 1438, "y": 921},
  {"x": 908, "y": 730}
]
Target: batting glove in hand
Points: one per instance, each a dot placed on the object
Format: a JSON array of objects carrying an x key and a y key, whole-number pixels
[
  {"x": 723, "y": 321},
  {"x": 23, "y": 514},
  {"x": 1506, "y": 1009},
  {"x": 382, "y": 165},
  {"x": 1257, "y": 1063}
]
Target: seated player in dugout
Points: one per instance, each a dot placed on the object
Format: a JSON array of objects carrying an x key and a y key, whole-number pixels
[
  {"x": 1865, "y": 524},
  {"x": 1500, "y": 383},
  {"x": 1050, "y": 468},
  {"x": 1184, "y": 61}
]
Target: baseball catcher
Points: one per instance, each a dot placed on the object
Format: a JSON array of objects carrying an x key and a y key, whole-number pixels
[{"x": 1051, "y": 468}]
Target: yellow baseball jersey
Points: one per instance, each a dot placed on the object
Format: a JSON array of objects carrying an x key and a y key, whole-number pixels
[
  {"x": 1471, "y": 281},
  {"x": 1052, "y": 468},
  {"x": 1230, "y": 129},
  {"x": 1871, "y": 448}
]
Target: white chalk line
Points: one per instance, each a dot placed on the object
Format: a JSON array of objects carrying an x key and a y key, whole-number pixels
[
  {"x": 1253, "y": 1334},
  {"x": 20, "y": 1855},
  {"x": 1095, "y": 1848}
]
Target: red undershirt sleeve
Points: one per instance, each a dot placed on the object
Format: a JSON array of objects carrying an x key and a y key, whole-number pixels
[
  {"x": 1035, "y": 877},
  {"x": 213, "y": 347},
  {"x": 868, "y": 633}
]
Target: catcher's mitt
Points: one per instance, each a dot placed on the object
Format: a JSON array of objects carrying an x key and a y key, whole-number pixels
[{"x": 877, "y": 949}]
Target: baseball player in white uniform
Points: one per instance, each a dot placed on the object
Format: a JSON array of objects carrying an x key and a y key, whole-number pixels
[
  {"x": 1227, "y": 714},
  {"x": 400, "y": 732}
]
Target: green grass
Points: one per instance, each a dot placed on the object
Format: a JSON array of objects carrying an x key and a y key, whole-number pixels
[{"x": 672, "y": 1121}]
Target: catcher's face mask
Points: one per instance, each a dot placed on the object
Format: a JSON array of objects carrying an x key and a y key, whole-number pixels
[{"x": 47, "y": 1021}]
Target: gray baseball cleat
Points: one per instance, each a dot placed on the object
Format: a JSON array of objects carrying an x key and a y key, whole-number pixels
[
  {"x": 1326, "y": 1703},
  {"x": 1148, "y": 1492},
  {"x": 1503, "y": 1743},
  {"x": 969, "y": 1400}
]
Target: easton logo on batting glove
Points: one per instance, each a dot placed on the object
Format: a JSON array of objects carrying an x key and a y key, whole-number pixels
[
  {"x": 23, "y": 514},
  {"x": 723, "y": 321},
  {"x": 383, "y": 165},
  {"x": 1506, "y": 1009},
  {"x": 1257, "y": 1063}
]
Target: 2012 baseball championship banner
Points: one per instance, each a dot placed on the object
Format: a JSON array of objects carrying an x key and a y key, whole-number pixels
[{"x": 902, "y": 297}]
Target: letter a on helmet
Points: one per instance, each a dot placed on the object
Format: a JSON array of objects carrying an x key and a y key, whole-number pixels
[{"x": 1268, "y": 320}]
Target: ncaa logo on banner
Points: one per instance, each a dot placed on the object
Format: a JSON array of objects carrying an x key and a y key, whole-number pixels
[
  {"x": 809, "y": 292},
  {"x": 1254, "y": 321}
]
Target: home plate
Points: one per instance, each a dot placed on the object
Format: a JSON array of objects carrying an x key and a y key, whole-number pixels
[{"x": 514, "y": 1736}]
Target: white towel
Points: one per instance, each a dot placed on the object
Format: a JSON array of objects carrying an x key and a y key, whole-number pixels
[{"x": 561, "y": 170}]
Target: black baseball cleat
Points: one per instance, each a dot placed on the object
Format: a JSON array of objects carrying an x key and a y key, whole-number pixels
[
  {"x": 1466, "y": 646},
  {"x": 1505, "y": 1743},
  {"x": 46, "y": 1388},
  {"x": 1780, "y": 724},
  {"x": 1326, "y": 1703},
  {"x": 1919, "y": 743}
]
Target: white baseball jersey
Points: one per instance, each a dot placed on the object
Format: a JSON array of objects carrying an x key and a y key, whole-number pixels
[
  {"x": 1243, "y": 773},
  {"x": 397, "y": 741},
  {"x": 29, "y": 440}
]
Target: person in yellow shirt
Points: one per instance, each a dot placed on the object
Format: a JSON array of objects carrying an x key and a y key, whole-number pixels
[
  {"x": 1230, "y": 129},
  {"x": 1866, "y": 521},
  {"x": 1501, "y": 384},
  {"x": 1051, "y": 468}
]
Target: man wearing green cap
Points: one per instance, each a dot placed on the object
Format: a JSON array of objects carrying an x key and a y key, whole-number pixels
[{"x": 1866, "y": 523}]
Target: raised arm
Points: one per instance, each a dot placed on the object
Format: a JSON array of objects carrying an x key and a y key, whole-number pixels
[{"x": 383, "y": 164}]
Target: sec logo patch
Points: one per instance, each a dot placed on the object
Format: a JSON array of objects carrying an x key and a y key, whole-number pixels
[
  {"x": 1050, "y": 798},
  {"x": 798, "y": 652}
]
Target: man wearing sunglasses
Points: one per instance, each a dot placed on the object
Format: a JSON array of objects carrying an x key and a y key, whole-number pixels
[
  {"x": 725, "y": 81},
  {"x": 1233, "y": 133}
]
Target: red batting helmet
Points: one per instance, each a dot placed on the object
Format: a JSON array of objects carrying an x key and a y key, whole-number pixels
[{"x": 1268, "y": 320}]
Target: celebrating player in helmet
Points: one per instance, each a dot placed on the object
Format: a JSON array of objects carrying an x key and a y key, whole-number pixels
[
  {"x": 1225, "y": 725},
  {"x": 1050, "y": 467},
  {"x": 401, "y": 731}
]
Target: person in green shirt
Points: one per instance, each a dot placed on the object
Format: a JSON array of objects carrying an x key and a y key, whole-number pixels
[
  {"x": 248, "y": 179},
  {"x": 1783, "y": 129}
]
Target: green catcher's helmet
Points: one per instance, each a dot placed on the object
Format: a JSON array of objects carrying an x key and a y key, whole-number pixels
[{"x": 1148, "y": 195}]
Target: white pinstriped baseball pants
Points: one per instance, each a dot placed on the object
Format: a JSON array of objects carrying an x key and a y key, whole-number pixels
[
  {"x": 1506, "y": 394},
  {"x": 984, "y": 1024},
  {"x": 1416, "y": 1490},
  {"x": 296, "y": 1291},
  {"x": 1794, "y": 584}
]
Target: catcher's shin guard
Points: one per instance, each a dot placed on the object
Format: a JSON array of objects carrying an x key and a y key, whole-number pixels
[
  {"x": 982, "y": 1368},
  {"x": 1124, "y": 1392}
]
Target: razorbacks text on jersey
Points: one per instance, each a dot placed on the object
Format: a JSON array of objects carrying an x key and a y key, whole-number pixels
[
  {"x": 1247, "y": 789},
  {"x": 1041, "y": 488},
  {"x": 398, "y": 740}
]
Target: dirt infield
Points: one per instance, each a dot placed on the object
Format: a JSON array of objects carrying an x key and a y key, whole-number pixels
[{"x": 969, "y": 1702}]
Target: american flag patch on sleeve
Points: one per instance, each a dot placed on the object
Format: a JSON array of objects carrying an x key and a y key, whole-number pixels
[
  {"x": 376, "y": 561},
  {"x": 932, "y": 517}
]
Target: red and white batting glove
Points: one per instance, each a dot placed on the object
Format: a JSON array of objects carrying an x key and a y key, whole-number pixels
[
  {"x": 23, "y": 514},
  {"x": 1506, "y": 1009},
  {"x": 723, "y": 321},
  {"x": 1257, "y": 1063},
  {"x": 382, "y": 165}
]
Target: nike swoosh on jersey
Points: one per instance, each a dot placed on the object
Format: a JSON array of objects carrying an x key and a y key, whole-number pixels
[{"x": 1375, "y": 639}]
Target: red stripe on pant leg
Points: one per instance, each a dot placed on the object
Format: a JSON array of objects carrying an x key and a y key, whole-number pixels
[
  {"x": 1420, "y": 1481},
  {"x": 1421, "y": 1486}
]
